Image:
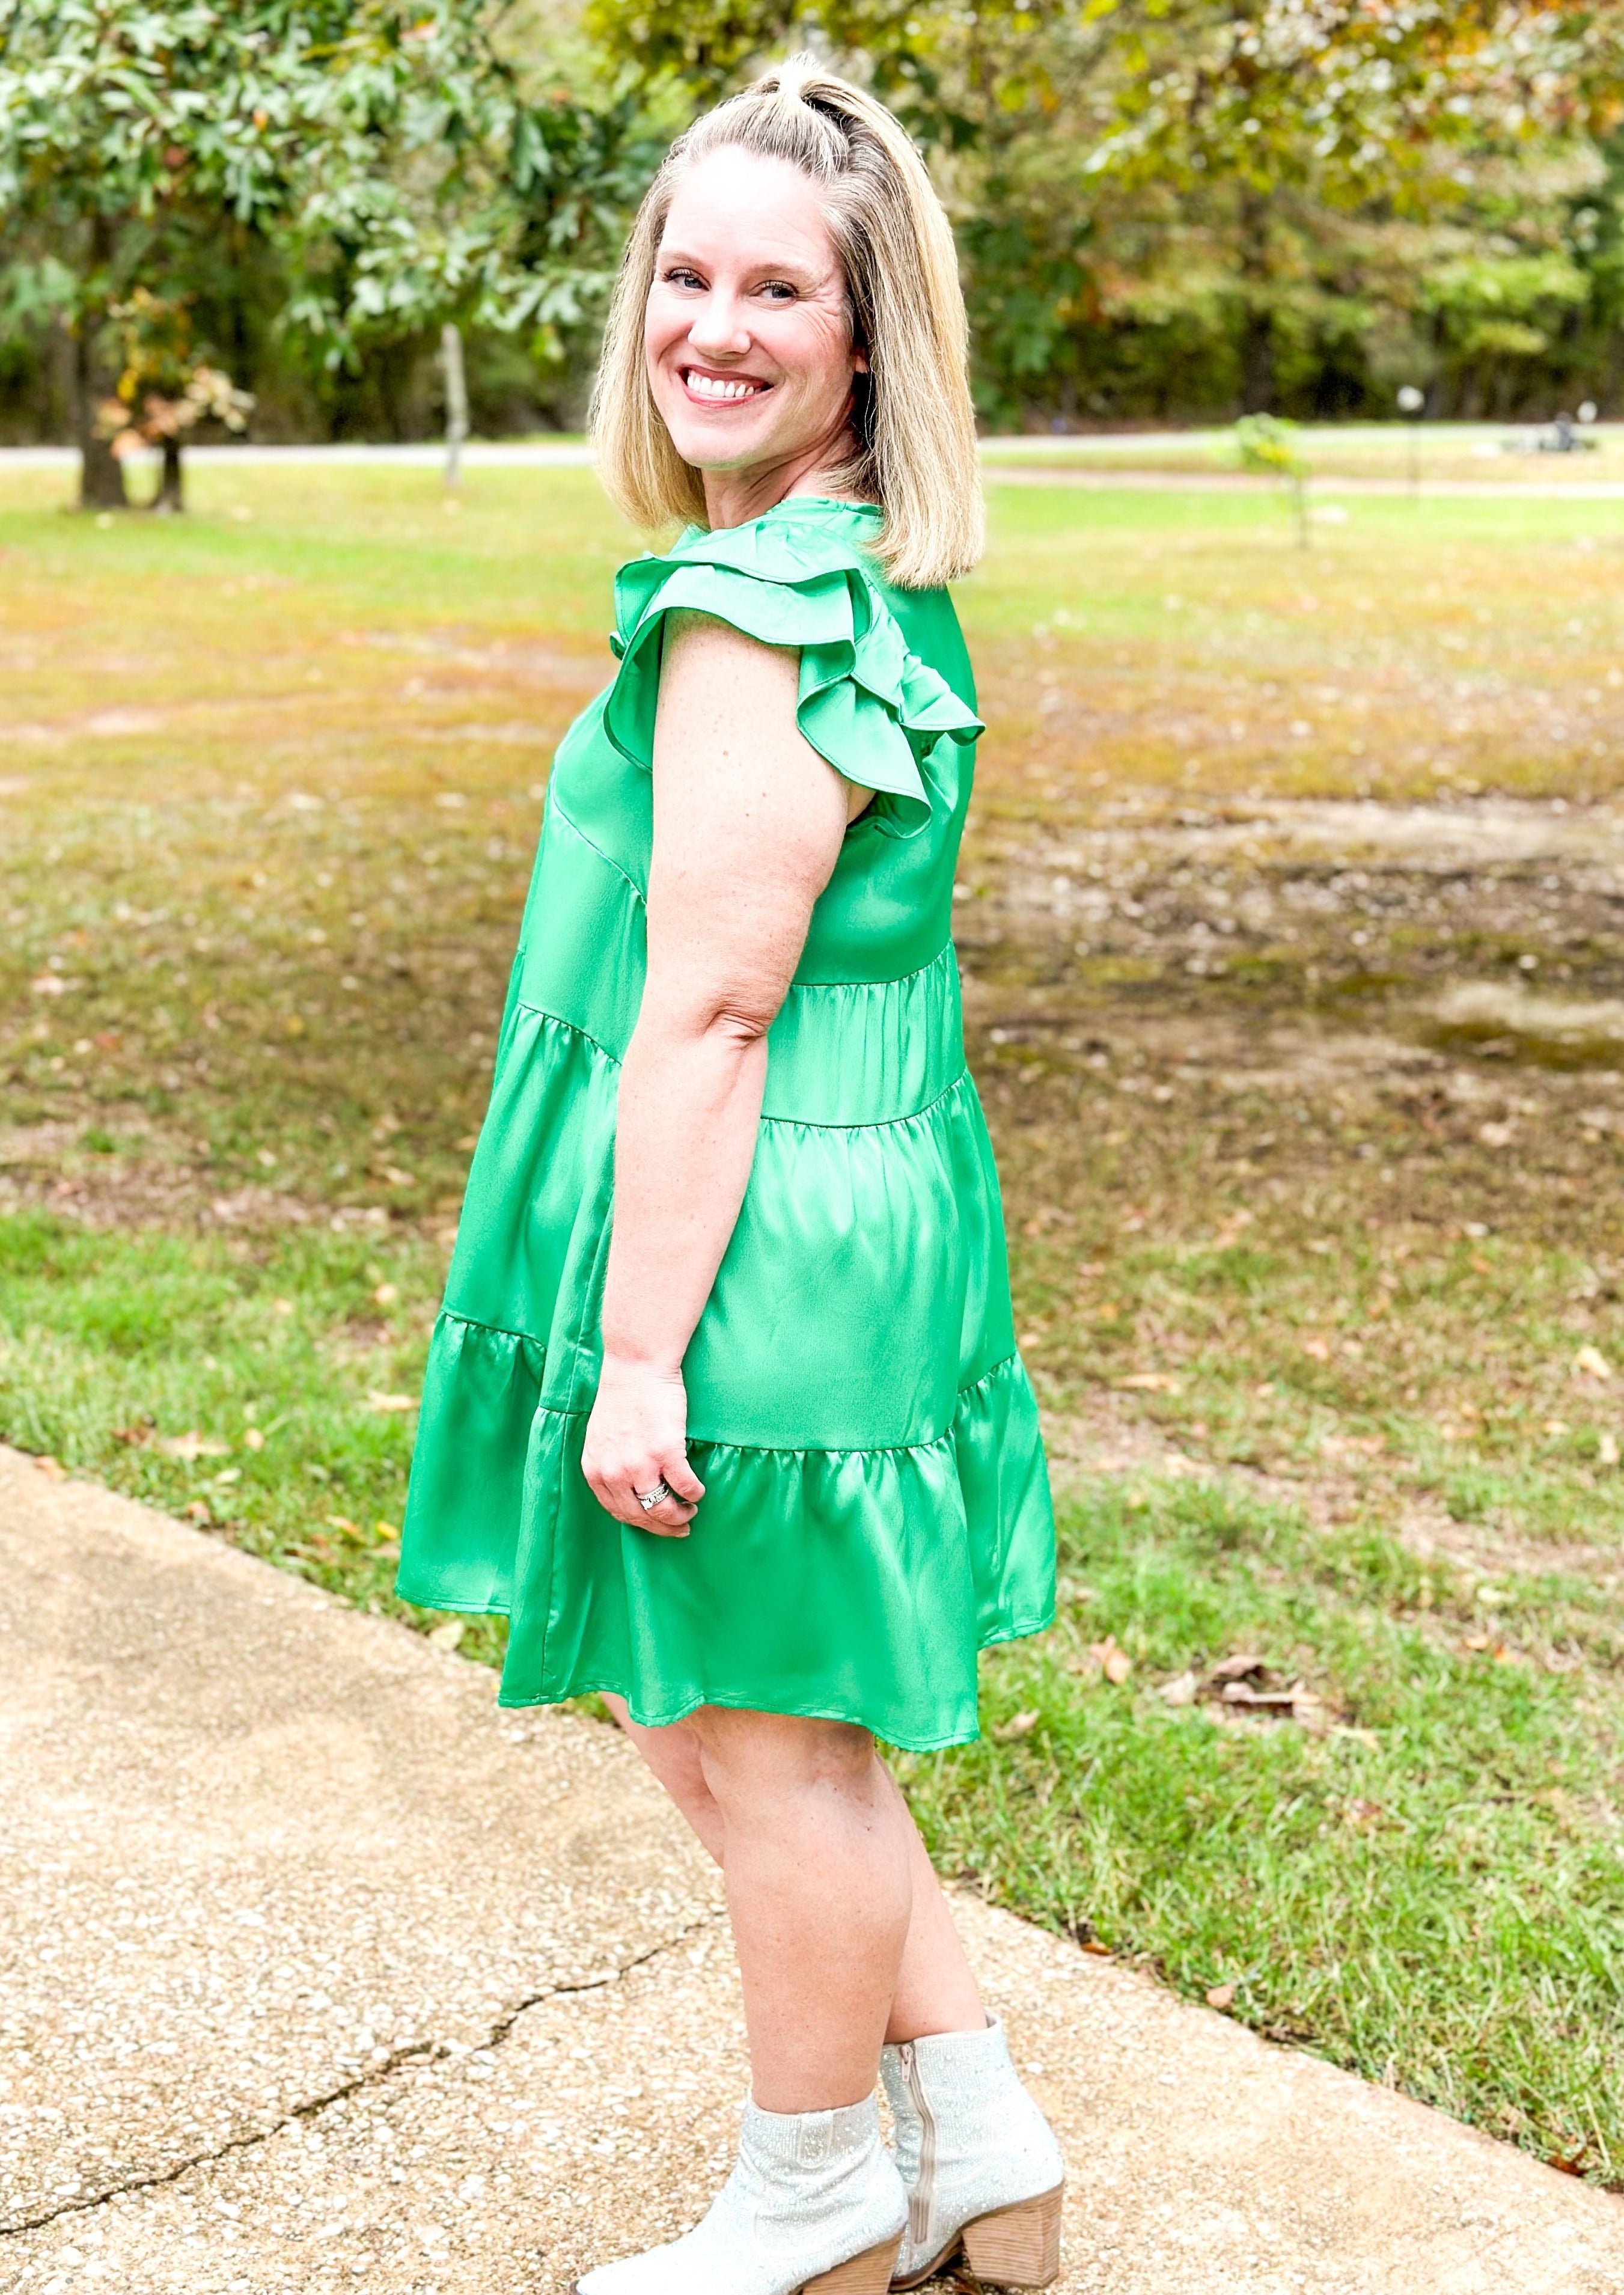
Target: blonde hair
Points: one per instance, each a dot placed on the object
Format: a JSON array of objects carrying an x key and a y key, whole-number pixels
[{"x": 915, "y": 426}]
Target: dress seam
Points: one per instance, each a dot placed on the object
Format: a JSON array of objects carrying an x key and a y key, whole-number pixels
[
  {"x": 875, "y": 1123},
  {"x": 800, "y": 1123},
  {"x": 753, "y": 1449},
  {"x": 607, "y": 859},
  {"x": 893, "y": 980}
]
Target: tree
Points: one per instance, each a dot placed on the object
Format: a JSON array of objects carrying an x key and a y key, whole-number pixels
[
  {"x": 1178, "y": 202},
  {"x": 373, "y": 165}
]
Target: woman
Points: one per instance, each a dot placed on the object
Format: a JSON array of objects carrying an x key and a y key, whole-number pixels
[{"x": 755, "y": 1458}]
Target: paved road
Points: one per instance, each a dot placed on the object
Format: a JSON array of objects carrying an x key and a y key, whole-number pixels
[
  {"x": 317, "y": 1971},
  {"x": 1006, "y": 461}
]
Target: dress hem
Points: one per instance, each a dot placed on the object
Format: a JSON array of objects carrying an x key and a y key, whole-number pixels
[{"x": 903, "y": 1744}]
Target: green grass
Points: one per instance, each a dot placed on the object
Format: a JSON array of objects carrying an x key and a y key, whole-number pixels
[
  {"x": 1426, "y": 1885},
  {"x": 240, "y": 1389},
  {"x": 1312, "y": 1279}
]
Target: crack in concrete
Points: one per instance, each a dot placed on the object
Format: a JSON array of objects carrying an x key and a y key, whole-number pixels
[{"x": 419, "y": 2052}]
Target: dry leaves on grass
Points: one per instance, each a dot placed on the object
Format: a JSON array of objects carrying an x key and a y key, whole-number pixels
[
  {"x": 376, "y": 1401},
  {"x": 1246, "y": 1684},
  {"x": 1107, "y": 1657},
  {"x": 190, "y": 1445}
]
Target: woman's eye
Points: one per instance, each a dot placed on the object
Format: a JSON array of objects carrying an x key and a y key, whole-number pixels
[
  {"x": 680, "y": 276},
  {"x": 779, "y": 290}
]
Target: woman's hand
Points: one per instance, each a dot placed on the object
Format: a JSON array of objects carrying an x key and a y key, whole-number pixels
[{"x": 638, "y": 1436}]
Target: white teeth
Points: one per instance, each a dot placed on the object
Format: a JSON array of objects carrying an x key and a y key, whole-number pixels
[{"x": 713, "y": 386}]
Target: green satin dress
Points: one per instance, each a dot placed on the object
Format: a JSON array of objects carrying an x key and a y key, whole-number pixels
[{"x": 876, "y": 1506}]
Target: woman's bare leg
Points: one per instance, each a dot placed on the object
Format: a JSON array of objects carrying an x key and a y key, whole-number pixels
[
  {"x": 815, "y": 1857},
  {"x": 934, "y": 1990}
]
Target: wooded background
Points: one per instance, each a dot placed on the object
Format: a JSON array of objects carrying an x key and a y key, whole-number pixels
[{"x": 1169, "y": 210}]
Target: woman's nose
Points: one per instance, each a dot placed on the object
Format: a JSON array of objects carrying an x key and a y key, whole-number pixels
[{"x": 719, "y": 329}]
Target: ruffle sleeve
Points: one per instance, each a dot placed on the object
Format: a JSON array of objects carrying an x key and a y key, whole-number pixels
[{"x": 866, "y": 703}]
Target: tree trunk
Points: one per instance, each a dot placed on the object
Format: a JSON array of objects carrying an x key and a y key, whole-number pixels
[
  {"x": 101, "y": 472},
  {"x": 171, "y": 500},
  {"x": 1258, "y": 362},
  {"x": 1257, "y": 323}
]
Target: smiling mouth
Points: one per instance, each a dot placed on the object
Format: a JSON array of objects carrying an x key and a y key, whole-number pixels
[{"x": 720, "y": 390}]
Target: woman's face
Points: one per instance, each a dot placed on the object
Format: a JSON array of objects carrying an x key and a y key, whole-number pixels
[{"x": 746, "y": 333}]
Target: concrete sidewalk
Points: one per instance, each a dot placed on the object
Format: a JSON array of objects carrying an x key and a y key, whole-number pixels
[{"x": 320, "y": 1972}]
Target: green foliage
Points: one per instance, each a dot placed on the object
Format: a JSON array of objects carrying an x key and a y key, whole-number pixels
[
  {"x": 1270, "y": 446},
  {"x": 356, "y": 171},
  {"x": 1172, "y": 207}
]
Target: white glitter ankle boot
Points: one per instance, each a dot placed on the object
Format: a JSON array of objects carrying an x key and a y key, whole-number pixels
[
  {"x": 979, "y": 2160},
  {"x": 814, "y": 2207}
]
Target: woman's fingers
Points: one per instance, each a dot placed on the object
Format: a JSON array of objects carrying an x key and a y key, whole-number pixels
[
  {"x": 678, "y": 1475},
  {"x": 620, "y": 1489},
  {"x": 671, "y": 1517}
]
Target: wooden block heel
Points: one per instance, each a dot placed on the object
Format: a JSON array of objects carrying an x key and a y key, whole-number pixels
[
  {"x": 1018, "y": 2246},
  {"x": 867, "y": 2273}
]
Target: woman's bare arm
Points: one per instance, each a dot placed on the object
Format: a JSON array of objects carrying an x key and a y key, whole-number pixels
[{"x": 747, "y": 825}]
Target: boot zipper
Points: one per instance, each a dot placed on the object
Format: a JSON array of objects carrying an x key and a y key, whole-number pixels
[{"x": 923, "y": 2192}]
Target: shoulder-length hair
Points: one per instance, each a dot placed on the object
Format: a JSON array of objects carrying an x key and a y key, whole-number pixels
[{"x": 912, "y": 418}]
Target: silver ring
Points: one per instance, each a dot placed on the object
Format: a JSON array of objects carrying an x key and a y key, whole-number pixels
[{"x": 649, "y": 1500}]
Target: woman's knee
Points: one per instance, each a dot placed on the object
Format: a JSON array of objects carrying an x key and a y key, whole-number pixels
[
  {"x": 747, "y": 1758},
  {"x": 673, "y": 1755}
]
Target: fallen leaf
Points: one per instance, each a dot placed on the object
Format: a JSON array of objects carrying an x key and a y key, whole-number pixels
[
  {"x": 1263, "y": 1700},
  {"x": 1150, "y": 1381},
  {"x": 1476, "y": 1642},
  {"x": 467, "y": 1144},
  {"x": 392, "y": 1401},
  {"x": 1097, "y": 1951},
  {"x": 1114, "y": 1663},
  {"x": 395, "y": 1177},
  {"x": 449, "y": 1635},
  {"x": 1236, "y": 1668},
  {"x": 281, "y": 1306},
  {"x": 142, "y": 1432},
  {"x": 341, "y": 1521},
  {"x": 200, "y": 1511},
  {"x": 1021, "y": 1725},
  {"x": 1319, "y": 1349},
  {"x": 386, "y": 1293},
  {"x": 49, "y": 983},
  {"x": 1181, "y": 1690},
  {"x": 192, "y": 1445},
  {"x": 51, "y": 1468},
  {"x": 254, "y": 1438},
  {"x": 1590, "y": 1362},
  {"x": 1361, "y": 1814},
  {"x": 1221, "y": 1996},
  {"x": 1497, "y": 1135},
  {"x": 1607, "y": 1451}
]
